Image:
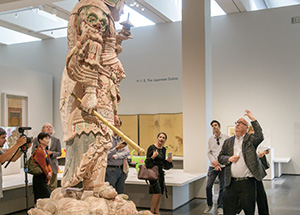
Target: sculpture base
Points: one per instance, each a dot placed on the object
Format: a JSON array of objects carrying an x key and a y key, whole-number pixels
[{"x": 64, "y": 201}]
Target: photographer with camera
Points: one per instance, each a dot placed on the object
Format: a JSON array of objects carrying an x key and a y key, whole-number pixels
[{"x": 6, "y": 155}]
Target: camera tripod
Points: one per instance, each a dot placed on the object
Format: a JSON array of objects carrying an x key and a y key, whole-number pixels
[{"x": 24, "y": 150}]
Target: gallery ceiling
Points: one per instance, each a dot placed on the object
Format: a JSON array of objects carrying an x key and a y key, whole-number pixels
[{"x": 32, "y": 20}]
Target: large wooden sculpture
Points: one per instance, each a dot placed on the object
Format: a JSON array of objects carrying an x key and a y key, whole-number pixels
[
  {"x": 93, "y": 72},
  {"x": 93, "y": 65},
  {"x": 93, "y": 68}
]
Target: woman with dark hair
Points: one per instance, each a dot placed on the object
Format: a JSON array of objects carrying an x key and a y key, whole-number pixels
[
  {"x": 156, "y": 156},
  {"x": 41, "y": 156}
]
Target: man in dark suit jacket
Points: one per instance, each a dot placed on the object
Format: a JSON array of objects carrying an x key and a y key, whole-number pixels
[
  {"x": 242, "y": 168},
  {"x": 54, "y": 149}
]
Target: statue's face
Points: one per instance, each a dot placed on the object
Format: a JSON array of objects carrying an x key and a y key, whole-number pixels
[{"x": 94, "y": 17}]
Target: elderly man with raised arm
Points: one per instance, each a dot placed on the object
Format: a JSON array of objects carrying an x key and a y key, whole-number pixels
[{"x": 242, "y": 168}]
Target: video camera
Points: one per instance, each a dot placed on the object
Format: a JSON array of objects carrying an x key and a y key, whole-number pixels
[{"x": 28, "y": 139}]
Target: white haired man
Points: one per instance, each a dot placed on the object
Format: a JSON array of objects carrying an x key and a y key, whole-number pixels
[{"x": 242, "y": 167}]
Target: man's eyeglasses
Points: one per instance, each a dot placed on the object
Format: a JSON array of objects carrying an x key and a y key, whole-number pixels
[{"x": 237, "y": 123}]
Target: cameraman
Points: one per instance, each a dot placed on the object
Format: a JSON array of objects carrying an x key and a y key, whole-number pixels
[{"x": 5, "y": 155}]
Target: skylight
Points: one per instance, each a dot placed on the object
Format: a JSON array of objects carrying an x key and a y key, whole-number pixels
[
  {"x": 9, "y": 37},
  {"x": 215, "y": 9},
  {"x": 135, "y": 18},
  {"x": 281, "y": 3}
]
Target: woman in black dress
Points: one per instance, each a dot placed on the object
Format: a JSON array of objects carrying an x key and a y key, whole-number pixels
[{"x": 156, "y": 156}]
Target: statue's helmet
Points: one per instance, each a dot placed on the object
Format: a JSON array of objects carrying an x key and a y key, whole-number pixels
[
  {"x": 116, "y": 8},
  {"x": 111, "y": 3}
]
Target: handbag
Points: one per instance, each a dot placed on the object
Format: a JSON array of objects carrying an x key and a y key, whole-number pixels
[
  {"x": 33, "y": 167},
  {"x": 148, "y": 173},
  {"x": 125, "y": 167},
  {"x": 265, "y": 162}
]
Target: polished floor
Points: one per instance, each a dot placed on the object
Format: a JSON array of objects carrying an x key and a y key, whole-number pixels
[{"x": 283, "y": 196}]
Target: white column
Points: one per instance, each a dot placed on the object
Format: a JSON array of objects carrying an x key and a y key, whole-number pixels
[{"x": 196, "y": 77}]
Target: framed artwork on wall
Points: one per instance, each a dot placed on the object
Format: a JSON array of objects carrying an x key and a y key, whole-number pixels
[
  {"x": 151, "y": 124},
  {"x": 14, "y": 117},
  {"x": 14, "y": 110},
  {"x": 143, "y": 129},
  {"x": 231, "y": 130}
]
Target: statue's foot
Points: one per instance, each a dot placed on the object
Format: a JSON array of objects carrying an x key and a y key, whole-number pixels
[
  {"x": 72, "y": 192},
  {"x": 124, "y": 196},
  {"x": 71, "y": 182},
  {"x": 105, "y": 191}
]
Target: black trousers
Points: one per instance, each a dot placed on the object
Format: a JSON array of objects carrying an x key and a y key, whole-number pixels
[
  {"x": 241, "y": 193},
  {"x": 40, "y": 188},
  {"x": 262, "y": 201}
]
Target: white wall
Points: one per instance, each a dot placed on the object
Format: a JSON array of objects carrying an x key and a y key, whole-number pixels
[
  {"x": 255, "y": 65},
  {"x": 153, "y": 54},
  {"x": 46, "y": 57},
  {"x": 37, "y": 87}
]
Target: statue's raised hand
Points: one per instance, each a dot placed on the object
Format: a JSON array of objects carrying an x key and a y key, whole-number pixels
[{"x": 89, "y": 102}]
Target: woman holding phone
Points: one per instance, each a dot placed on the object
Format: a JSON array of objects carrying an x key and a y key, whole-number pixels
[{"x": 156, "y": 156}]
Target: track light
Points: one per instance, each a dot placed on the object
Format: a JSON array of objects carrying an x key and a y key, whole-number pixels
[{"x": 131, "y": 3}]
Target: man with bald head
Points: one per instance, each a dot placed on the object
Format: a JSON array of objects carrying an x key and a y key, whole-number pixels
[
  {"x": 54, "y": 149},
  {"x": 242, "y": 167}
]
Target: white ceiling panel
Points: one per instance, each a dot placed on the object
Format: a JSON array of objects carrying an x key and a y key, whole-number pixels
[
  {"x": 9, "y": 5},
  {"x": 58, "y": 33}
]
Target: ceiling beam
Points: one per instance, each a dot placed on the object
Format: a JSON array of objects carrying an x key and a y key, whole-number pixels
[
  {"x": 8, "y": 5},
  {"x": 231, "y": 6},
  {"x": 242, "y": 5},
  {"x": 61, "y": 13},
  {"x": 238, "y": 6},
  {"x": 23, "y": 30}
]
